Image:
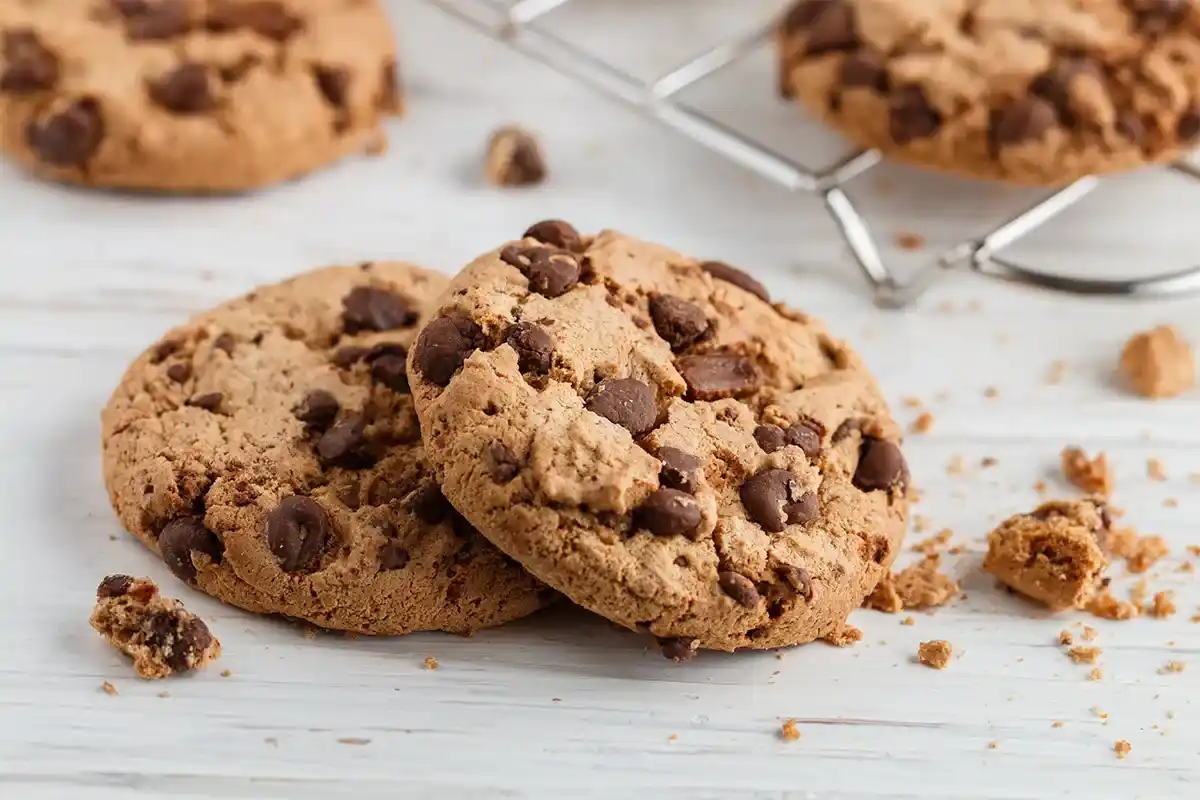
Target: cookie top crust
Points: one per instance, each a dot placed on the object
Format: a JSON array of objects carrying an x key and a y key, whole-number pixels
[
  {"x": 192, "y": 95},
  {"x": 1029, "y": 92},
  {"x": 268, "y": 450},
  {"x": 652, "y": 437}
]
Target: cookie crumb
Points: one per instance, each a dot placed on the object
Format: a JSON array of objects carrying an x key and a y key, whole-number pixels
[
  {"x": 1065, "y": 638},
  {"x": 988, "y": 461},
  {"x": 1101, "y": 714},
  {"x": 935, "y": 653},
  {"x": 1058, "y": 723},
  {"x": 908, "y": 621},
  {"x": 992, "y": 745},
  {"x": 934, "y": 543},
  {"x": 109, "y": 689},
  {"x": 1106, "y": 606},
  {"x": 1084, "y": 655},
  {"x": 1163, "y": 605},
  {"x": 1092, "y": 475},
  {"x": 1051, "y": 554},
  {"x": 1096, "y": 674},
  {"x": 1122, "y": 748},
  {"x": 1140, "y": 552},
  {"x": 1089, "y": 633},
  {"x": 884, "y": 596},
  {"x": 226, "y": 673},
  {"x": 161, "y": 636},
  {"x": 1170, "y": 502},
  {"x": 163, "y": 694},
  {"x": 1156, "y": 470},
  {"x": 1158, "y": 363},
  {"x": 913, "y": 402},
  {"x": 1172, "y": 667},
  {"x": 991, "y": 392},
  {"x": 431, "y": 663},
  {"x": 909, "y": 241},
  {"x": 789, "y": 732},
  {"x": 847, "y": 636},
  {"x": 923, "y": 423},
  {"x": 955, "y": 465},
  {"x": 922, "y": 586},
  {"x": 1057, "y": 371},
  {"x": 514, "y": 158},
  {"x": 353, "y": 740}
]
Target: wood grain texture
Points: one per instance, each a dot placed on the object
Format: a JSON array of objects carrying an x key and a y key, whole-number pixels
[{"x": 563, "y": 705}]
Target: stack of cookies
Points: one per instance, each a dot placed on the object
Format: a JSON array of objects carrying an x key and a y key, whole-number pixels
[{"x": 375, "y": 449}]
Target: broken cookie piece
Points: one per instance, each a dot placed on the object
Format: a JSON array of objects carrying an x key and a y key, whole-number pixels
[
  {"x": 514, "y": 158},
  {"x": 161, "y": 636},
  {"x": 1052, "y": 554},
  {"x": 1158, "y": 363}
]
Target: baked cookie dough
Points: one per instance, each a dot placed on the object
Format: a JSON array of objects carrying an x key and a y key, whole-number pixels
[
  {"x": 1027, "y": 92},
  {"x": 192, "y": 96},
  {"x": 268, "y": 450},
  {"x": 653, "y": 438}
]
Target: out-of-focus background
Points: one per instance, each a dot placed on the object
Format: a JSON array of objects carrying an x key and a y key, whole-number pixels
[{"x": 562, "y": 704}]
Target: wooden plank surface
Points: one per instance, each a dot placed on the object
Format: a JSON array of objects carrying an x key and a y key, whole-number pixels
[{"x": 563, "y": 704}]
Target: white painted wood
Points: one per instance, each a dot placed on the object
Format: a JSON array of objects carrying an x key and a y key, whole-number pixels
[{"x": 563, "y": 704}]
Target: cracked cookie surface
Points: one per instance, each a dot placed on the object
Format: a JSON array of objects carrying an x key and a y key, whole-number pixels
[
  {"x": 651, "y": 437},
  {"x": 269, "y": 452},
  {"x": 192, "y": 95},
  {"x": 1026, "y": 92}
]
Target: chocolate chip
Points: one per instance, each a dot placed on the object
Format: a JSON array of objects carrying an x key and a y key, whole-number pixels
[
  {"x": 769, "y": 437},
  {"x": 1130, "y": 126},
  {"x": 29, "y": 65},
  {"x": 535, "y": 348},
  {"x": 267, "y": 18},
  {"x": 844, "y": 430},
  {"x": 626, "y": 402},
  {"x": 370, "y": 308},
  {"x": 722, "y": 373},
  {"x": 1157, "y": 17},
  {"x": 911, "y": 115},
  {"x": 392, "y": 556},
  {"x": 501, "y": 462},
  {"x": 297, "y": 531},
  {"x": 798, "y": 578},
  {"x": 680, "y": 470},
  {"x": 443, "y": 345},
  {"x": 164, "y": 350},
  {"x": 806, "y": 434},
  {"x": 1054, "y": 85},
  {"x": 390, "y": 369},
  {"x": 723, "y": 272},
  {"x": 388, "y": 99},
  {"x": 184, "y": 90},
  {"x": 342, "y": 443},
  {"x": 551, "y": 272},
  {"x": 428, "y": 504},
  {"x": 225, "y": 342},
  {"x": 1027, "y": 119},
  {"x": 68, "y": 137},
  {"x": 514, "y": 158},
  {"x": 319, "y": 409},
  {"x": 183, "y": 536},
  {"x": 232, "y": 73},
  {"x": 864, "y": 68},
  {"x": 678, "y": 648},
  {"x": 880, "y": 465},
  {"x": 677, "y": 321},
  {"x": 830, "y": 30},
  {"x": 669, "y": 512},
  {"x": 1188, "y": 126},
  {"x": 209, "y": 401},
  {"x": 333, "y": 83},
  {"x": 556, "y": 233},
  {"x": 180, "y": 638},
  {"x": 773, "y": 499},
  {"x": 348, "y": 356},
  {"x": 739, "y": 587},
  {"x": 179, "y": 372},
  {"x": 114, "y": 586},
  {"x": 147, "y": 21}
]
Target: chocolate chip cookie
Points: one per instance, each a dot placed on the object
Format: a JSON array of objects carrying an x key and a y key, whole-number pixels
[
  {"x": 649, "y": 435},
  {"x": 192, "y": 95},
  {"x": 1034, "y": 93},
  {"x": 268, "y": 450}
]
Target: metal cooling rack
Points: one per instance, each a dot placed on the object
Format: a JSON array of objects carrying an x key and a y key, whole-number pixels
[{"x": 519, "y": 25}]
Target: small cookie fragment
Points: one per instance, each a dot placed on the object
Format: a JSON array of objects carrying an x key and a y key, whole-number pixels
[
  {"x": 789, "y": 732},
  {"x": 1052, "y": 554},
  {"x": 514, "y": 158},
  {"x": 1122, "y": 748},
  {"x": 1158, "y": 363},
  {"x": 918, "y": 586},
  {"x": 161, "y": 636},
  {"x": 935, "y": 653},
  {"x": 1092, "y": 475},
  {"x": 1107, "y": 606}
]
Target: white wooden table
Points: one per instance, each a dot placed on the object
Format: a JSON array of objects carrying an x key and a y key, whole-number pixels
[{"x": 562, "y": 704}]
